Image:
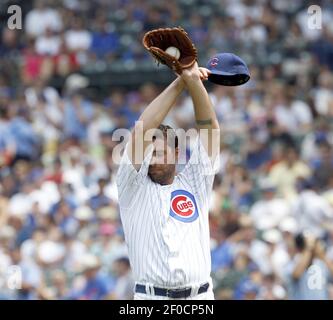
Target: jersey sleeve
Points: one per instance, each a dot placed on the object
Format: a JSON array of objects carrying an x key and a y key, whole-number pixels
[
  {"x": 201, "y": 169},
  {"x": 128, "y": 179}
]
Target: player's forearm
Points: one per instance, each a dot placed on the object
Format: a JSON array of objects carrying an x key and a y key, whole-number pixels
[
  {"x": 329, "y": 264},
  {"x": 151, "y": 118},
  {"x": 302, "y": 264},
  {"x": 157, "y": 110},
  {"x": 205, "y": 116}
]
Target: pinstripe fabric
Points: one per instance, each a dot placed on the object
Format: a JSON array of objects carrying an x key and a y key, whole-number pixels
[
  {"x": 164, "y": 251},
  {"x": 203, "y": 296}
]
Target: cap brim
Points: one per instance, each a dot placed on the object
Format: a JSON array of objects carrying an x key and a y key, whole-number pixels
[{"x": 228, "y": 79}]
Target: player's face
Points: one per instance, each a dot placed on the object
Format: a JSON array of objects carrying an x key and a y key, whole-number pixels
[{"x": 162, "y": 167}]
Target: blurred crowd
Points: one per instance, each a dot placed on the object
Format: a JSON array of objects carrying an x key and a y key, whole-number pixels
[{"x": 271, "y": 213}]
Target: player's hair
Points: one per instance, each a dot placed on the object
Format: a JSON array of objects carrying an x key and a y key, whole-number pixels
[{"x": 168, "y": 133}]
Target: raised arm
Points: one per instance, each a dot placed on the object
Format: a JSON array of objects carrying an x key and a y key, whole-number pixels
[
  {"x": 205, "y": 116},
  {"x": 151, "y": 118},
  {"x": 305, "y": 258},
  {"x": 302, "y": 264},
  {"x": 320, "y": 253}
]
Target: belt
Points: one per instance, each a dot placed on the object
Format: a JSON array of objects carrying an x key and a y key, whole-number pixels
[{"x": 172, "y": 293}]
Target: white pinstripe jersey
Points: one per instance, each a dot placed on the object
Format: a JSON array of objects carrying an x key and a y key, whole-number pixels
[{"x": 166, "y": 227}]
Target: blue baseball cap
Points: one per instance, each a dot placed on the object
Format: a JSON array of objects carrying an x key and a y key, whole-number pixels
[{"x": 227, "y": 69}]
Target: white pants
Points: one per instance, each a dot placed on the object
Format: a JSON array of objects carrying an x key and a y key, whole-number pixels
[{"x": 209, "y": 295}]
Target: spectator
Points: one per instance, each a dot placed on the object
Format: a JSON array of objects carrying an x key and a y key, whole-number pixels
[
  {"x": 78, "y": 38},
  {"x": 31, "y": 275},
  {"x": 309, "y": 270},
  {"x": 100, "y": 199},
  {"x": 48, "y": 44},
  {"x": 222, "y": 256},
  {"x": 58, "y": 289},
  {"x": 286, "y": 173},
  {"x": 124, "y": 285},
  {"x": 41, "y": 18},
  {"x": 312, "y": 211},
  {"x": 95, "y": 285},
  {"x": 323, "y": 165},
  {"x": 7, "y": 140},
  {"x": 323, "y": 97},
  {"x": 105, "y": 42},
  {"x": 77, "y": 113},
  {"x": 268, "y": 212},
  {"x": 10, "y": 44}
]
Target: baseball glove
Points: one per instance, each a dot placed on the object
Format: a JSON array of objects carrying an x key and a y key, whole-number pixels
[{"x": 157, "y": 41}]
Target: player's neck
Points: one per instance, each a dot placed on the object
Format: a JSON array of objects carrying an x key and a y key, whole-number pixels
[{"x": 167, "y": 181}]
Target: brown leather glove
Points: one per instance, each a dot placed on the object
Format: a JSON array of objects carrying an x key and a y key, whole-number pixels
[{"x": 157, "y": 41}]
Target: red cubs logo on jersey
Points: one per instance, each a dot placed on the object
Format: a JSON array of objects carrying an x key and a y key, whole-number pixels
[{"x": 183, "y": 206}]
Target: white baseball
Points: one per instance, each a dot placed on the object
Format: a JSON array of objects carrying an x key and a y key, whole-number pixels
[{"x": 173, "y": 51}]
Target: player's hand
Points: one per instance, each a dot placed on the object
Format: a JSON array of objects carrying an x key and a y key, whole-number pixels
[
  {"x": 319, "y": 250},
  {"x": 192, "y": 73},
  {"x": 195, "y": 73},
  {"x": 204, "y": 73},
  {"x": 310, "y": 242}
]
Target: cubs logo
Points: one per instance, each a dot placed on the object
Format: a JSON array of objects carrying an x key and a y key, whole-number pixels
[
  {"x": 214, "y": 62},
  {"x": 183, "y": 206}
]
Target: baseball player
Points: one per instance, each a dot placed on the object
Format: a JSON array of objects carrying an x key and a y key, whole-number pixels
[{"x": 165, "y": 214}]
